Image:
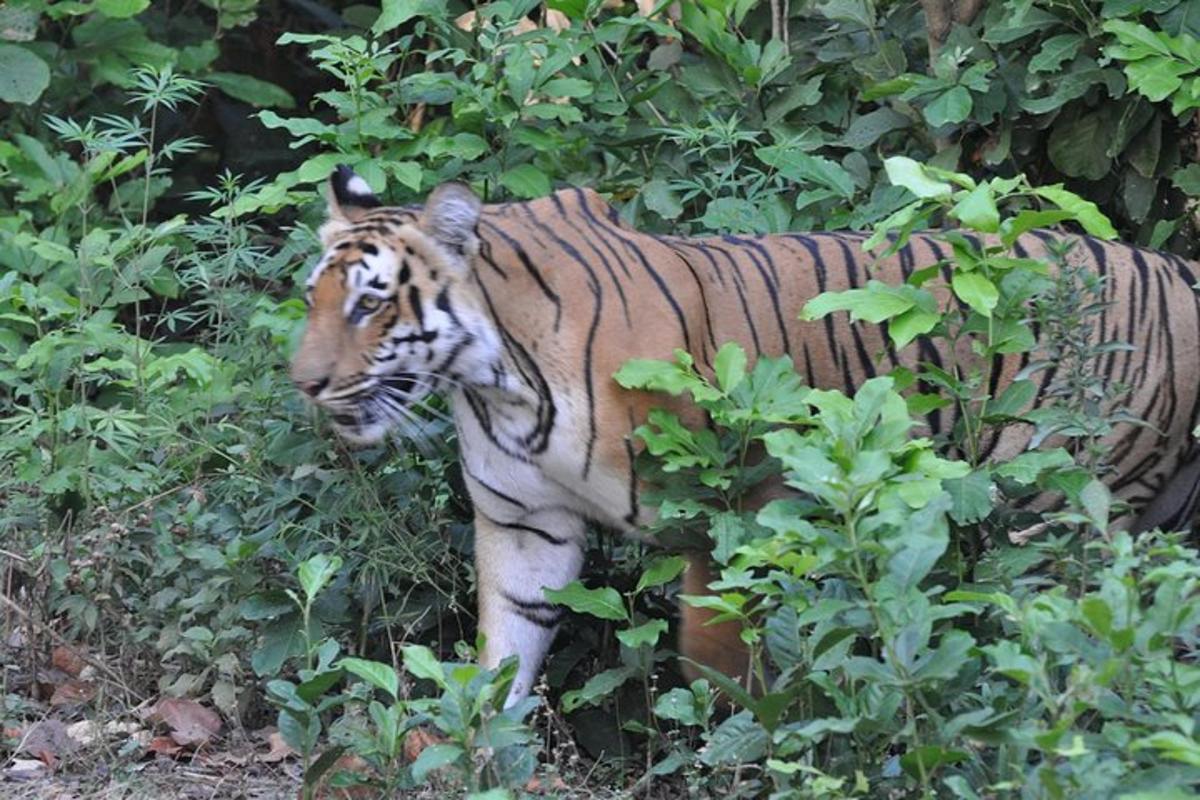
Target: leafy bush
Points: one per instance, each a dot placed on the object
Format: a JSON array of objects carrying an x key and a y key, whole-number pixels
[{"x": 159, "y": 182}]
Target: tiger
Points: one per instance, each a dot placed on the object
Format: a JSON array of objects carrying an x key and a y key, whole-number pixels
[{"x": 520, "y": 313}]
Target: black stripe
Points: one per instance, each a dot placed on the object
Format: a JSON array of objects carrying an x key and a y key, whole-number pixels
[
  {"x": 544, "y": 535},
  {"x": 493, "y": 490}
]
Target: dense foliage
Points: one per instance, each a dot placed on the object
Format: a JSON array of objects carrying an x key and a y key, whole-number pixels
[{"x": 167, "y": 499}]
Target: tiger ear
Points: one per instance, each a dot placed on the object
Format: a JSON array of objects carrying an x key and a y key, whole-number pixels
[
  {"x": 349, "y": 196},
  {"x": 450, "y": 216}
]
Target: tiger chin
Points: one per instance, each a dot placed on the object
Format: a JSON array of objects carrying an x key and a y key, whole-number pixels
[{"x": 519, "y": 314}]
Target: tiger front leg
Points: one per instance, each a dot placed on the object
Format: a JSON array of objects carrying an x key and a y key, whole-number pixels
[{"x": 515, "y": 558}]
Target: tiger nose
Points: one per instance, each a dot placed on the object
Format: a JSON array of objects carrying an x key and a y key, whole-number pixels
[{"x": 312, "y": 388}]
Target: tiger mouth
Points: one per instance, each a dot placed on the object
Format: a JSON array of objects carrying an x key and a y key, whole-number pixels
[{"x": 378, "y": 408}]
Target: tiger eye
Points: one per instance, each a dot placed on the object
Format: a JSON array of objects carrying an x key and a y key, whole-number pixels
[{"x": 369, "y": 302}]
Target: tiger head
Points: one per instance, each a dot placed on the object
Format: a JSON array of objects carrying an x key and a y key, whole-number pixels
[{"x": 391, "y": 311}]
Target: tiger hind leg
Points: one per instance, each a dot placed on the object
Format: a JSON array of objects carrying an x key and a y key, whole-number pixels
[{"x": 719, "y": 645}]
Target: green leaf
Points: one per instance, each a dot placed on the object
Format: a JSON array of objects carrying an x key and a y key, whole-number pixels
[
  {"x": 660, "y": 198},
  {"x": 976, "y": 291},
  {"x": 1026, "y": 468},
  {"x": 903, "y": 171},
  {"x": 121, "y": 9},
  {"x": 875, "y": 303},
  {"x": 420, "y": 662},
  {"x": 733, "y": 215},
  {"x": 867, "y": 129},
  {"x": 604, "y": 603},
  {"x": 978, "y": 210},
  {"x": 739, "y": 739},
  {"x": 381, "y": 676},
  {"x": 567, "y": 87},
  {"x": 971, "y": 496},
  {"x": 1079, "y": 147},
  {"x": 1187, "y": 179},
  {"x": 646, "y": 633},
  {"x": 316, "y": 572},
  {"x": 248, "y": 89},
  {"x": 1172, "y": 745},
  {"x": 915, "y": 322},
  {"x": 395, "y": 13},
  {"x": 435, "y": 756},
  {"x": 730, "y": 366},
  {"x": 661, "y": 571},
  {"x": 927, "y": 758},
  {"x": 526, "y": 181},
  {"x": 1084, "y": 212},
  {"x": 949, "y": 107},
  {"x": 798, "y": 166},
  {"x": 23, "y": 75},
  {"x": 596, "y": 688},
  {"x": 1055, "y": 51},
  {"x": 679, "y": 705}
]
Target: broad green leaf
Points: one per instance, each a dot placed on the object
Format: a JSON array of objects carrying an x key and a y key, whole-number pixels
[
  {"x": 23, "y": 75},
  {"x": 660, "y": 198},
  {"x": 739, "y": 739},
  {"x": 1157, "y": 77},
  {"x": 876, "y": 303},
  {"x": 733, "y": 215},
  {"x": 976, "y": 291},
  {"x": 1172, "y": 745},
  {"x": 1187, "y": 179},
  {"x": 679, "y": 705},
  {"x": 730, "y": 366},
  {"x": 567, "y": 87},
  {"x": 907, "y": 326},
  {"x": 597, "y": 687},
  {"x": 1055, "y": 51},
  {"x": 867, "y": 129},
  {"x": 927, "y": 758},
  {"x": 971, "y": 496},
  {"x": 659, "y": 376},
  {"x": 254, "y": 91},
  {"x": 604, "y": 603},
  {"x": 435, "y": 756},
  {"x": 1027, "y": 467},
  {"x": 1083, "y": 211},
  {"x": 120, "y": 9},
  {"x": 379, "y": 675},
  {"x": 646, "y": 633},
  {"x": 526, "y": 181},
  {"x": 420, "y": 662},
  {"x": 316, "y": 572},
  {"x": 661, "y": 571},
  {"x": 394, "y": 13},
  {"x": 949, "y": 107},
  {"x": 977, "y": 210},
  {"x": 903, "y": 171}
]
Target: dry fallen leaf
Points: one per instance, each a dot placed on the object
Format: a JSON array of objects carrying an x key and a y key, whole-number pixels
[
  {"x": 191, "y": 724},
  {"x": 68, "y": 660},
  {"x": 163, "y": 746},
  {"x": 352, "y": 764},
  {"x": 46, "y": 740},
  {"x": 417, "y": 740},
  {"x": 73, "y": 692},
  {"x": 279, "y": 749},
  {"x": 537, "y": 785}
]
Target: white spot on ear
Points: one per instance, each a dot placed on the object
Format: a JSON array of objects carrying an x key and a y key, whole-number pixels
[{"x": 357, "y": 185}]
